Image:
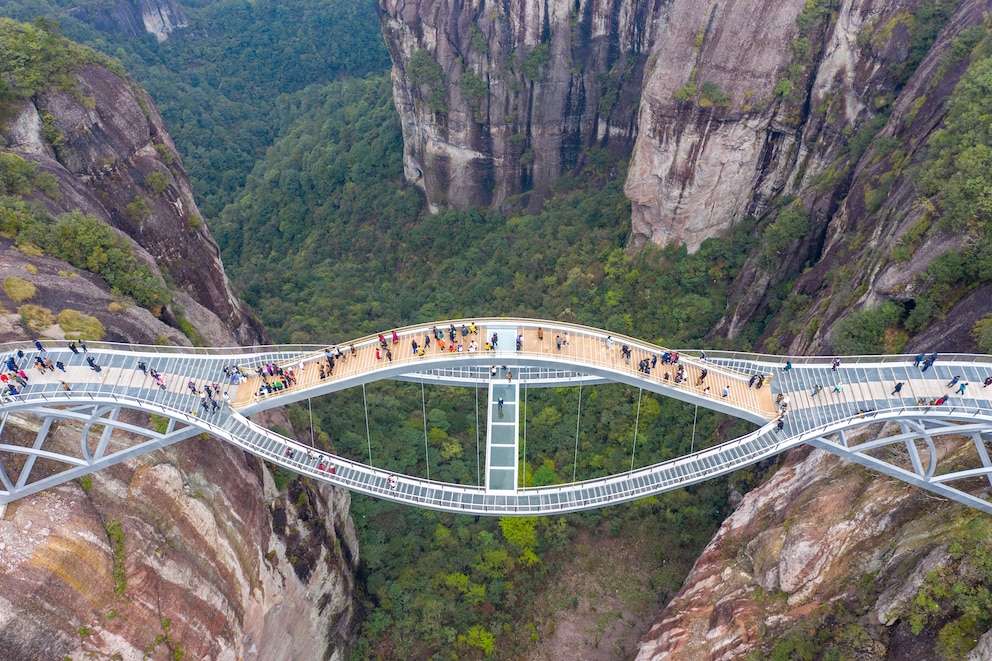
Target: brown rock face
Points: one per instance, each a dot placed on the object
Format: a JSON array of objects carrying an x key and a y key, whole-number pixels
[
  {"x": 189, "y": 552},
  {"x": 499, "y": 99},
  {"x": 174, "y": 552},
  {"x": 821, "y": 536},
  {"x": 112, "y": 149}
]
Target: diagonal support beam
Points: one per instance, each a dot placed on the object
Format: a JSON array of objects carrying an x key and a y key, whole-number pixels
[
  {"x": 911, "y": 434},
  {"x": 914, "y": 453},
  {"x": 39, "y": 440},
  {"x": 107, "y": 431},
  {"x": 934, "y": 484},
  {"x": 983, "y": 453},
  {"x": 82, "y": 468}
]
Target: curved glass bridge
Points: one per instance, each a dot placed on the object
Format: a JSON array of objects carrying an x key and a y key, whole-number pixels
[{"x": 927, "y": 432}]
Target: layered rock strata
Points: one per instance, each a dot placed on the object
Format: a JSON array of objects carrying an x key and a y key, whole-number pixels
[
  {"x": 823, "y": 542},
  {"x": 501, "y": 99}
]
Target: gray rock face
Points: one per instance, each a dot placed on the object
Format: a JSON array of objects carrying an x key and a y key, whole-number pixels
[
  {"x": 134, "y": 17},
  {"x": 720, "y": 107},
  {"x": 870, "y": 203},
  {"x": 696, "y": 169},
  {"x": 510, "y": 94}
]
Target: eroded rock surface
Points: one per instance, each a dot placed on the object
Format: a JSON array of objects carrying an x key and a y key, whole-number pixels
[
  {"x": 188, "y": 552},
  {"x": 501, "y": 99},
  {"x": 111, "y": 138},
  {"x": 821, "y": 532}
]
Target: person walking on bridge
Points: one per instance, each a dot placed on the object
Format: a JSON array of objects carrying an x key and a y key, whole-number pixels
[
  {"x": 953, "y": 382},
  {"x": 962, "y": 387},
  {"x": 898, "y": 388},
  {"x": 988, "y": 382},
  {"x": 919, "y": 359}
]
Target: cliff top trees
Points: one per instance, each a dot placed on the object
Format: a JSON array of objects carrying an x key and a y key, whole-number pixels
[{"x": 34, "y": 57}]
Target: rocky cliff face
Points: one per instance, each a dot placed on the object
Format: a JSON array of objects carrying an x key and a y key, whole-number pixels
[
  {"x": 501, "y": 99},
  {"x": 187, "y": 553},
  {"x": 190, "y": 552},
  {"x": 133, "y": 17},
  {"x": 107, "y": 148},
  {"x": 722, "y": 107},
  {"x": 864, "y": 202},
  {"x": 825, "y": 555}
]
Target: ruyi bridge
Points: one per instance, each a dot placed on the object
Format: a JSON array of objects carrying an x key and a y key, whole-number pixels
[{"x": 853, "y": 410}]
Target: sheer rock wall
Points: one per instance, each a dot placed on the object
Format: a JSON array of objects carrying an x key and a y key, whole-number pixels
[
  {"x": 548, "y": 80},
  {"x": 187, "y": 552}
]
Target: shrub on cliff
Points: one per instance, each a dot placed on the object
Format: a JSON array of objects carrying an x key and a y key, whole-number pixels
[
  {"x": 36, "y": 317},
  {"x": 18, "y": 289},
  {"x": 86, "y": 243},
  {"x": 82, "y": 241},
  {"x": 80, "y": 326}
]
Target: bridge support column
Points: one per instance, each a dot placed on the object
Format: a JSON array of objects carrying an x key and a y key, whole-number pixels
[{"x": 502, "y": 432}]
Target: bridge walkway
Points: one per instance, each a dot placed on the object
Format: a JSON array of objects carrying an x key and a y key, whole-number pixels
[
  {"x": 581, "y": 346},
  {"x": 867, "y": 383}
]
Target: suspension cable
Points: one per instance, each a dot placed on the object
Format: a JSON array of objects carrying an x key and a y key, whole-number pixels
[
  {"x": 310, "y": 406},
  {"x": 427, "y": 455},
  {"x": 368, "y": 433},
  {"x": 637, "y": 421},
  {"x": 693, "y": 444},
  {"x": 575, "y": 461}
]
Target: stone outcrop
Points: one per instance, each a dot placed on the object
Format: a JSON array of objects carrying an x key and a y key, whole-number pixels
[
  {"x": 722, "y": 107},
  {"x": 861, "y": 208},
  {"x": 823, "y": 542},
  {"x": 133, "y": 18},
  {"x": 109, "y": 145},
  {"x": 191, "y": 549},
  {"x": 700, "y": 163},
  {"x": 501, "y": 99},
  {"x": 188, "y": 552}
]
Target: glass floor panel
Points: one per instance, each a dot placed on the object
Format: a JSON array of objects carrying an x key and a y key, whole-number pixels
[
  {"x": 503, "y": 479},
  {"x": 504, "y": 435}
]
